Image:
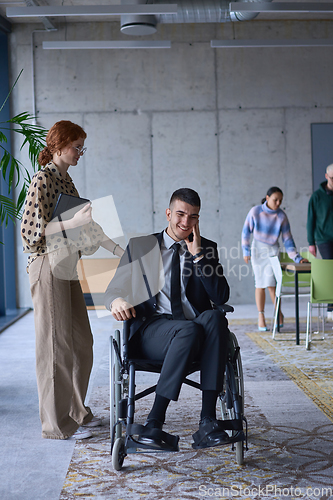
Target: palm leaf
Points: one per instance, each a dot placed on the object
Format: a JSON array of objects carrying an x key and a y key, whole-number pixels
[
  {"x": 33, "y": 135},
  {"x": 8, "y": 210},
  {"x": 3, "y": 138},
  {"x": 21, "y": 198},
  {"x": 3, "y": 104},
  {"x": 4, "y": 162}
]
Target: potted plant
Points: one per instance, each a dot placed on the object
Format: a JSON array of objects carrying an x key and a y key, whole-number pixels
[{"x": 11, "y": 169}]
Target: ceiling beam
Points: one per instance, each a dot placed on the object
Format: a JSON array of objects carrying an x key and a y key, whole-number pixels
[
  {"x": 215, "y": 44},
  {"x": 282, "y": 7},
  {"x": 109, "y": 44},
  {"x": 92, "y": 10}
]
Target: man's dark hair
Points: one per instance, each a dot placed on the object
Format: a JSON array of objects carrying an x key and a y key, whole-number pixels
[{"x": 187, "y": 195}]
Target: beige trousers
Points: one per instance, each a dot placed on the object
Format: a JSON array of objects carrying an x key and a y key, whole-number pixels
[{"x": 63, "y": 348}]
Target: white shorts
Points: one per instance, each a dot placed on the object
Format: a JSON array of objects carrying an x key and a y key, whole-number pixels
[{"x": 262, "y": 269}]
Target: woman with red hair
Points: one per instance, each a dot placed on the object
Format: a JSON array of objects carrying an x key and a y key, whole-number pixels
[{"x": 64, "y": 340}]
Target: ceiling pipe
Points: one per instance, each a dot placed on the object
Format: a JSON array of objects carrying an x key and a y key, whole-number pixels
[
  {"x": 205, "y": 11},
  {"x": 189, "y": 11},
  {"x": 198, "y": 11},
  {"x": 245, "y": 16}
]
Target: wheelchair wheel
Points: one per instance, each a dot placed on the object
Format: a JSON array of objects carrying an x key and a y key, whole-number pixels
[
  {"x": 232, "y": 397},
  {"x": 240, "y": 382},
  {"x": 115, "y": 385},
  {"x": 118, "y": 454},
  {"x": 238, "y": 371},
  {"x": 240, "y": 452}
]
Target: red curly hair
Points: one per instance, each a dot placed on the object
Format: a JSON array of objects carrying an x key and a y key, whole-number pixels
[{"x": 59, "y": 136}]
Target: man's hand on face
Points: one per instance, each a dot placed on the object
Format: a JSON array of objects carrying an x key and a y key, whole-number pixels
[
  {"x": 122, "y": 310},
  {"x": 194, "y": 246}
]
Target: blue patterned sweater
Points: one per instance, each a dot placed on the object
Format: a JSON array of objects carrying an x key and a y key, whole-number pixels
[{"x": 266, "y": 225}]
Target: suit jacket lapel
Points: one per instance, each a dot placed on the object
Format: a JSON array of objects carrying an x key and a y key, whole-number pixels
[{"x": 159, "y": 237}]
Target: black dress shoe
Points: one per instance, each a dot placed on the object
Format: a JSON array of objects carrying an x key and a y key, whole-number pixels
[
  {"x": 210, "y": 433},
  {"x": 152, "y": 423},
  {"x": 149, "y": 440}
]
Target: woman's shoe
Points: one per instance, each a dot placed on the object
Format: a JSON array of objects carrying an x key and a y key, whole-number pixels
[
  {"x": 262, "y": 328},
  {"x": 281, "y": 324},
  {"x": 81, "y": 433},
  {"x": 94, "y": 422}
]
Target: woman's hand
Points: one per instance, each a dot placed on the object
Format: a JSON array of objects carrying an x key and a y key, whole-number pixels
[
  {"x": 83, "y": 216},
  {"x": 247, "y": 258},
  {"x": 304, "y": 261}
]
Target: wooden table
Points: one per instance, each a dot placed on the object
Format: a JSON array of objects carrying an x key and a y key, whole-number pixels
[{"x": 296, "y": 269}]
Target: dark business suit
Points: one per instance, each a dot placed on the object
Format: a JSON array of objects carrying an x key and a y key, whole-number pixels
[{"x": 138, "y": 280}]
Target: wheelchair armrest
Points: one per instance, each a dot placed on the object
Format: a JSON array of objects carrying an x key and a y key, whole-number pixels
[{"x": 225, "y": 308}]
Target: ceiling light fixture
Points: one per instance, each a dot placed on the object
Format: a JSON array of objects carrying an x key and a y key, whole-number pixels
[
  {"x": 111, "y": 44},
  {"x": 215, "y": 44},
  {"x": 92, "y": 10},
  {"x": 281, "y": 7}
]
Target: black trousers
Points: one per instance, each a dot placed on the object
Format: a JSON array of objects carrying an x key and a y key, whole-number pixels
[
  {"x": 179, "y": 343},
  {"x": 326, "y": 250}
]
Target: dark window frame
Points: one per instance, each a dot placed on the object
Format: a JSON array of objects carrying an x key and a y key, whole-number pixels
[{"x": 8, "y": 300}]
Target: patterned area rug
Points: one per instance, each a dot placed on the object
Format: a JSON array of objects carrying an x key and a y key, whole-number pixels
[
  {"x": 283, "y": 460},
  {"x": 311, "y": 370}
]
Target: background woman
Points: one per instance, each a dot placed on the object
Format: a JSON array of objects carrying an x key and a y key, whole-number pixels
[
  {"x": 63, "y": 337},
  {"x": 267, "y": 222}
]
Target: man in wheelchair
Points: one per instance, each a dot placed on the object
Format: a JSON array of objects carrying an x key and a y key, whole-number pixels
[{"x": 166, "y": 285}]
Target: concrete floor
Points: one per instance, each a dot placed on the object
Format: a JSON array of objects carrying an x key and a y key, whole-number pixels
[{"x": 32, "y": 468}]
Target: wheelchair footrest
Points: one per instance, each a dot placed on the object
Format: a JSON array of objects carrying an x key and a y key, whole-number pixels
[
  {"x": 152, "y": 439},
  {"x": 232, "y": 425},
  {"x": 213, "y": 434},
  {"x": 238, "y": 436}
]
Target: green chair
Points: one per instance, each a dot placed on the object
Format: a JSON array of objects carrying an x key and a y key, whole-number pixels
[
  {"x": 285, "y": 285},
  {"x": 321, "y": 292},
  {"x": 289, "y": 278}
]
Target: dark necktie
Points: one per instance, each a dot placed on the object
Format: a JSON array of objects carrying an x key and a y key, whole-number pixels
[{"x": 176, "y": 303}]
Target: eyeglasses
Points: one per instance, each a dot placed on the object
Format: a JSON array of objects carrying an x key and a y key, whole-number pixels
[{"x": 80, "y": 150}]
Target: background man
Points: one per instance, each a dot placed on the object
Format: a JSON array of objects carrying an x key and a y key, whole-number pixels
[
  {"x": 320, "y": 222},
  {"x": 175, "y": 322},
  {"x": 320, "y": 218}
]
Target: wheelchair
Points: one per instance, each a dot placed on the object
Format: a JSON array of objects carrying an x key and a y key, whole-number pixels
[{"x": 125, "y": 433}]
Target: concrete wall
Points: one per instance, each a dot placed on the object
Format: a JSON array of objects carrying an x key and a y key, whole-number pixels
[{"x": 227, "y": 122}]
